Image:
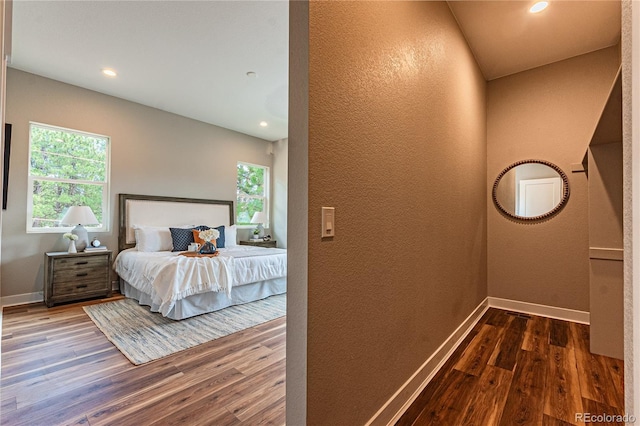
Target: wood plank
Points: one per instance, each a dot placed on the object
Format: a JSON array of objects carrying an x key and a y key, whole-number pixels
[
  {"x": 166, "y": 399},
  {"x": 559, "y": 333},
  {"x": 595, "y": 409},
  {"x": 616, "y": 371},
  {"x": 227, "y": 396},
  {"x": 62, "y": 405},
  {"x": 489, "y": 397},
  {"x": 43, "y": 386},
  {"x": 506, "y": 353},
  {"x": 596, "y": 383},
  {"x": 536, "y": 335},
  {"x": 274, "y": 414},
  {"x": 496, "y": 317},
  {"x": 475, "y": 357},
  {"x": 551, "y": 421},
  {"x": 450, "y": 400},
  {"x": 205, "y": 415},
  {"x": 414, "y": 410},
  {"x": 525, "y": 401},
  {"x": 257, "y": 400},
  {"x": 562, "y": 391}
]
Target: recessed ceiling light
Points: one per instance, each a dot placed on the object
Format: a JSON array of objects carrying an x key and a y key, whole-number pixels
[
  {"x": 109, "y": 72},
  {"x": 539, "y": 7},
  {"x": 251, "y": 74},
  {"x": 263, "y": 124}
]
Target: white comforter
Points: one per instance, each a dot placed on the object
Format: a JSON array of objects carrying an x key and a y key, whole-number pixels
[{"x": 168, "y": 277}]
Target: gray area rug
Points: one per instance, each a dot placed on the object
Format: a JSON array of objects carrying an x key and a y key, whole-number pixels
[{"x": 143, "y": 336}]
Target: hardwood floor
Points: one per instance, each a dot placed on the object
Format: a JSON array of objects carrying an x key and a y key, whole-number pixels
[
  {"x": 512, "y": 369},
  {"x": 58, "y": 368},
  {"x": 515, "y": 369}
]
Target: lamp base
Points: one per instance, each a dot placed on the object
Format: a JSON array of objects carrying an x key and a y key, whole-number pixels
[{"x": 83, "y": 237}]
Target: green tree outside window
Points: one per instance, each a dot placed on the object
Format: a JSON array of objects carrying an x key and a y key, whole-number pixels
[
  {"x": 66, "y": 168},
  {"x": 252, "y": 192}
]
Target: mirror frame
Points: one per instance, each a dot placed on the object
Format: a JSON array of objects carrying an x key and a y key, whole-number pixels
[{"x": 556, "y": 209}]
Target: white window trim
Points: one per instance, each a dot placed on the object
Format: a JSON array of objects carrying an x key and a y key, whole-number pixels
[
  {"x": 106, "y": 214},
  {"x": 266, "y": 197}
]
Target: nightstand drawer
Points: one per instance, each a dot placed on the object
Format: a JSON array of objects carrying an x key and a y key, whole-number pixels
[
  {"x": 80, "y": 262},
  {"x": 80, "y": 274},
  {"x": 78, "y": 287}
]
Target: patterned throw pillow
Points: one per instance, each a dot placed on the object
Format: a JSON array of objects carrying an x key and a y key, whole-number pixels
[{"x": 181, "y": 237}]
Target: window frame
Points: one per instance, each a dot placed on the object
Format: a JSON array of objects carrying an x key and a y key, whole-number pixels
[
  {"x": 106, "y": 193},
  {"x": 265, "y": 197}
]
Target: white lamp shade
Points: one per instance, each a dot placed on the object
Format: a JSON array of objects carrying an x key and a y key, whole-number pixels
[
  {"x": 79, "y": 215},
  {"x": 259, "y": 217}
]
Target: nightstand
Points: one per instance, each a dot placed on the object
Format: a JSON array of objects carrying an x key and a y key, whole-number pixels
[
  {"x": 260, "y": 243},
  {"x": 75, "y": 276}
]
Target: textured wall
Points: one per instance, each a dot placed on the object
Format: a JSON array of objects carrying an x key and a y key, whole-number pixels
[
  {"x": 397, "y": 145},
  {"x": 152, "y": 152},
  {"x": 297, "y": 217},
  {"x": 547, "y": 113},
  {"x": 279, "y": 177},
  {"x": 631, "y": 211}
]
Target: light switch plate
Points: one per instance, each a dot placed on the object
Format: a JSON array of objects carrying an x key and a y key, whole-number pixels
[{"x": 328, "y": 222}]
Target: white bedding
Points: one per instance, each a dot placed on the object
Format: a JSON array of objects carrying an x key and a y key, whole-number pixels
[{"x": 168, "y": 277}]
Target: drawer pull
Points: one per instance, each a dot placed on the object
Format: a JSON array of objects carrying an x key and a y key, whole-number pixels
[
  {"x": 82, "y": 263},
  {"x": 82, "y": 286},
  {"x": 84, "y": 274}
]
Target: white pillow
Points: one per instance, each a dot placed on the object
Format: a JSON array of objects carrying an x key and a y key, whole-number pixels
[
  {"x": 153, "y": 238},
  {"x": 230, "y": 236}
]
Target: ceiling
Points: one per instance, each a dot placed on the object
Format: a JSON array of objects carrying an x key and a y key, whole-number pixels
[
  {"x": 505, "y": 38},
  {"x": 188, "y": 58},
  {"x": 192, "y": 57}
]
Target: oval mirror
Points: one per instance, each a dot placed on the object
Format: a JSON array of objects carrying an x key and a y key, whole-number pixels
[{"x": 531, "y": 190}]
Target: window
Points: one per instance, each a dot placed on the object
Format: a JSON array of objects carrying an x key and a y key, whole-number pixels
[
  {"x": 252, "y": 192},
  {"x": 66, "y": 168}
]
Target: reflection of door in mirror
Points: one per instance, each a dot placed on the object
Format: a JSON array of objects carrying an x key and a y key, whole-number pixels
[
  {"x": 534, "y": 192},
  {"x": 538, "y": 196}
]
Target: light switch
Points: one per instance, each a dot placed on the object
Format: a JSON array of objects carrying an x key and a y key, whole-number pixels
[{"x": 328, "y": 222}]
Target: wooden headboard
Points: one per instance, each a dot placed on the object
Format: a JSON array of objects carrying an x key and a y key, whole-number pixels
[{"x": 151, "y": 210}]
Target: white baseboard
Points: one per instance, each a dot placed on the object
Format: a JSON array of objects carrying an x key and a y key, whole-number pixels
[
  {"x": 565, "y": 314},
  {"x": 393, "y": 409},
  {"x": 21, "y": 299}
]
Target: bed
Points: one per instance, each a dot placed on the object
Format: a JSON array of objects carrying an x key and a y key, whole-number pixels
[{"x": 180, "y": 287}]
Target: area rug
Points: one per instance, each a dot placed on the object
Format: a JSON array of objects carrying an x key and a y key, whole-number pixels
[{"x": 142, "y": 335}]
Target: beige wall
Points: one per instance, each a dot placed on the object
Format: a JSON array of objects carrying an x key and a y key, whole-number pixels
[
  {"x": 397, "y": 146},
  {"x": 548, "y": 113},
  {"x": 606, "y": 276},
  {"x": 152, "y": 152},
  {"x": 631, "y": 205},
  {"x": 605, "y": 196},
  {"x": 279, "y": 194}
]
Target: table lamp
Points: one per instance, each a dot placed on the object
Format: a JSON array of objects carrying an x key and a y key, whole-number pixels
[
  {"x": 259, "y": 218},
  {"x": 80, "y": 215}
]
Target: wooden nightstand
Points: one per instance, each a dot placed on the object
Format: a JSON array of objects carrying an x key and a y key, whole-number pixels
[
  {"x": 260, "y": 243},
  {"x": 75, "y": 276}
]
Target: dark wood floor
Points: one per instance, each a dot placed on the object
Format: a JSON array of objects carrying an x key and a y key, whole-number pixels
[
  {"x": 58, "y": 368},
  {"x": 515, "y": 369}
]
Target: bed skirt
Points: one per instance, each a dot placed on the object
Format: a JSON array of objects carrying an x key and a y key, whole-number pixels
[{"x": 208, "y": 302}]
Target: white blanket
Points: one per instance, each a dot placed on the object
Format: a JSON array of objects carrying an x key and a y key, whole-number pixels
[{"x": 168, "y": 277}]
